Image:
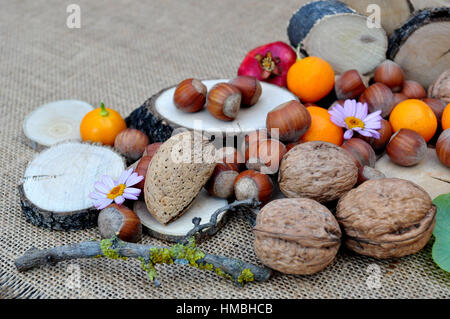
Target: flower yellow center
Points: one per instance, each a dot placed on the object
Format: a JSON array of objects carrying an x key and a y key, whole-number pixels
[
  {"x": 116, "y": 191},
  {"x": 353, "y": 122}
]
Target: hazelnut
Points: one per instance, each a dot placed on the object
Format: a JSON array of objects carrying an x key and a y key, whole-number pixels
[
  {"x": 224, "y": 101},
  {"x": 414, "y": 90},
  {"x": 317, "y": 170},
  {"x": 252, "y": 139},
  {"x": 221, "y": 183},
  {"x": 407, "y": 148},
  {"x": 369, "y": 173},
  {"x": 230, "y": 155},
  {"x": 142, "y": 166},
  {"x": 266, "y": 156},
  {"x": 151, "y": 149},
  {"x": 379, "y": 144},
  {"x": 349, "y": 85},
  {"x": 399, "y": 98},
  {"x": 386, "y": 218},
  {"x": 437, "y": 106},
  {"x": 131, "y": 143},
  {"x": 390, "y": 74},
  {"x": 253, "y": 184},
  {"x": 378, "y": 97},
  {"x": 288, "y": 121},
  {"x": 362, "y": 153},
  {"x": 296, "y": 236},
  {"x": 190, "y": 95},
  {"x": 250, "y": 89},
  {"x": 443, "y": 147},
  {"x": 120, "y": 220}
]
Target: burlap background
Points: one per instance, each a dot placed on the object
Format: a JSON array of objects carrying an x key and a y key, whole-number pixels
[{"x": 124, "y": 52}]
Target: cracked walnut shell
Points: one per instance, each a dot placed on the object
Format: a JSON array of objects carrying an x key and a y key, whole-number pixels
[
  {"x": 386, "y": 218},
  {"x": 318, "y": 170},
  {"x": 296, "y": 236}
]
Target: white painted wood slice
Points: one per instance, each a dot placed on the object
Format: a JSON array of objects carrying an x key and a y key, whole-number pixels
[
  {"x": 430, "y": 173},
  {"x": 204, "y": 206},
  {"x": 55, "y": 122},
  {"x": 248, "y": 119},
  {"x": 57, "y": 182}
]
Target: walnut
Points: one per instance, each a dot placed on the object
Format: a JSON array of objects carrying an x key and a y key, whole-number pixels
[
  {"x": 440, "y": 89},
  {"x": 296, "y": 236},
  {"x": 386, "y": 218},
  {"x": 317, "y": 170}
]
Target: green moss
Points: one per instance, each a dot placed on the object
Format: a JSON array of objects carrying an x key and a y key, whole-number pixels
[
  {"x": 188, "y": 252},
  {"x": 108, "y": 252},
  {"x": 149, "y": 268},
  {"x": 98, "y": 256},
  {"x": 160, "y": 256},
  {"x": 222, "y": 273},
  {"x": 245, "y": 276}
]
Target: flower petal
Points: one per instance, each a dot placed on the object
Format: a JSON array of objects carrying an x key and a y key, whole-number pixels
[
  {"x": 124, "y": 176},
  {"x": 102, "y": 187},
  {"x": 348, "y": 134},
  {"x": 130, "y": 196},
  {"x": 97, "y": 195},
  {"x": 337, "y": 118},
  {"x": 108, "y": 181},
  {"x": 132, "y": 190},
  {"x": 362, "y": 110},
  {"x": 119, "y": 200},
  {"x": 102, "y": 203},
  {"x": 372, "y": 116},
  {"x": 133, "y": 179},
  {"x": 349, "y": 107}
]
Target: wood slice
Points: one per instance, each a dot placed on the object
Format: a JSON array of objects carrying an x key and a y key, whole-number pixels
[
  {"x": 335, "y": 32},
  {"x": 393, "y": 13},
  {"x": 204, "y": 206},
  {"x": 424, "y": 4},
  {"x": 430, "y": 173},
  {"x": 54, "y": 123},
  {"x": 422, "y": 45},
  {"x": 159, "y": 116},
  {"x": 55, "y": 189}
]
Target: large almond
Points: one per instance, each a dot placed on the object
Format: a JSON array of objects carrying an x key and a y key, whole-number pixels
[{"x": 177, "y": 173}]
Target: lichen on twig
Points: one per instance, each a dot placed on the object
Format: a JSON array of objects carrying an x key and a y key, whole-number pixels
[{"x": 185, "y": 253}]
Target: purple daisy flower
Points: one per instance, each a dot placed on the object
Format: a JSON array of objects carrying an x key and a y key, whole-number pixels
[
  {"x": 355, "y": 118},
  {"x": 109, "y": 191}
]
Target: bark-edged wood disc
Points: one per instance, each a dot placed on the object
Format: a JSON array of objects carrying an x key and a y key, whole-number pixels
[
  {"x": 422, "y": 45},
  {"x": 393, "y": 13},
  {"x": 54, "y": 123},
  {"x": 430, "y": 174},
  {"x": 162, "y": 114},
  {"x": 56, "y": 185},
  {"x": 333, "y": 31},
  {"x": 204, "y": 206}
]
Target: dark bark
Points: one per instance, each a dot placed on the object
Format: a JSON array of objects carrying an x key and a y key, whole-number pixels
[
  {"x": 418, "y": 20},
  {"x": 76, "y": 220},
  {"x": 304, "y": 19}
]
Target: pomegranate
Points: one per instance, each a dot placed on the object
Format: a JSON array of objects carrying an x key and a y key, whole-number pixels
[{"x": 269, "y": 63}]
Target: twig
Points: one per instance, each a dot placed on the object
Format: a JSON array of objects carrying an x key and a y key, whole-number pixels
[{"x": 243, "y": 205}]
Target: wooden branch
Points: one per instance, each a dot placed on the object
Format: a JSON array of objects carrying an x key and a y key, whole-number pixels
[
  {"x": 243, "y": 205},
  {"x": 238, "y": 271}
]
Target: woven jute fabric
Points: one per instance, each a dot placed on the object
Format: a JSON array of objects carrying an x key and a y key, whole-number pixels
[{"x": 124, "y": 52}]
